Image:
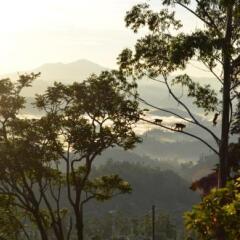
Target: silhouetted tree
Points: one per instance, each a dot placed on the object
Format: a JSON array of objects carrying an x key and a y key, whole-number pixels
[
  {"x": 42, "y": 159},
  {"x": 167, "y": 48},
  {"x": 162, "y": 52}
]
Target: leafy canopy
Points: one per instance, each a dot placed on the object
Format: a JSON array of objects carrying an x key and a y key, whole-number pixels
[
  {"x": 166, "y": 48},
  {"x": 42, "y": 158},
  {"x": 219, "y": 209}
]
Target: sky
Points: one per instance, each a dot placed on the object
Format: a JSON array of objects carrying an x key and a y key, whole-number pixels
[{"x": 35, "y": 32}]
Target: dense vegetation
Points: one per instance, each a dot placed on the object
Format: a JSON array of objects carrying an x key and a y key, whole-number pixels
[{"x": 218, "y": 210}]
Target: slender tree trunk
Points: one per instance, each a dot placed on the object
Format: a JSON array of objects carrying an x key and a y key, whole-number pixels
[
  {"x": 79, "y": 222},
  {"x": 223, "y": 168},
  {"x": 41, "y": 229},
  {"x": 227, "y": 68}
]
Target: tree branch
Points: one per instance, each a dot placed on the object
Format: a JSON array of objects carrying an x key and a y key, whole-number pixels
[
  {"x": 194, "y": 13},
  {"x": 51, "y": 211},
  {"x": 214, "y": 74},
  {"x": 190, "y": 113},
  {"x": 183, "y": 132},
  {"x": 210, "y": 24},
  {"x": 209, "y": 18},
  {"x": 164, "y": 110}
]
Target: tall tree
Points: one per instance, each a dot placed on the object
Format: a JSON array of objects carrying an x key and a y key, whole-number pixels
[
  {"x": 167, "y": 48},
  {"x": 84, "y": 119},
  {"x": 45, "y": 161}
]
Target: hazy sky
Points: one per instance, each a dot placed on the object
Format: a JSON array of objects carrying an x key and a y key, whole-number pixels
[{"x": 34, "y": 32}]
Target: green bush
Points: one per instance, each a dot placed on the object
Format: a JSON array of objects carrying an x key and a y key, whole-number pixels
[{"x": 219, "y": 210}]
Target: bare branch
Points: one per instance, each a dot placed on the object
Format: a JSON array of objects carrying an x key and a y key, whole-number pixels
[
  {"x": 183, "y": 132},
  {"x": 50, "y": 210},
  {"x": 190, "y": 113},
  {"x": 214, "y": 74},
  {"x": 234, "y": 86},
  {"x": 164, "y": 110},
  {"x": 209, "y": 18},
  {"x": 210, "y": 24},
  {"x": 87, "y": 199}
]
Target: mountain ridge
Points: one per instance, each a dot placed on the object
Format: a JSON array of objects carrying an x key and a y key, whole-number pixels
[{"x": 60, "y": 70}]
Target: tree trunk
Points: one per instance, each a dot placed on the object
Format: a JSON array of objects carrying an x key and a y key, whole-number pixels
[
  {"x": 223, "y": 151},
  {"x": 41, "y": 229},
  {"x": 79, "y": 222},
  {"x": 227, "y": 68}
]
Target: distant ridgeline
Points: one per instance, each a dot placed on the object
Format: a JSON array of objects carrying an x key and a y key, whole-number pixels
[
  {"x": 165, "y": 189},
  {"x": 131, "y": 213}
]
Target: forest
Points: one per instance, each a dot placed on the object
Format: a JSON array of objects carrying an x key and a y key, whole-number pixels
[{"x": 141, "y": 151}]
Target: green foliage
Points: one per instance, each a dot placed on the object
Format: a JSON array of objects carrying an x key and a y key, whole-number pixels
[
  {"x": 39, "y": 158},
  {"x": 105, "y": 187},
  {"x": 95, "y": 114},
  {"x": 167, "y": 48},
  {"x": 141, "y": 15},
  {"x": 205, "y": 97},
  {"x": 10, "y": 100},
  {"x": 172, "y": 193},
  {"x": 220, "y": 209},
  {"x": 10, "y": 219}
]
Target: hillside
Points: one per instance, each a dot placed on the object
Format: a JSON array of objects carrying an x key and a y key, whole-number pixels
[{"x": 151, "y": 185}]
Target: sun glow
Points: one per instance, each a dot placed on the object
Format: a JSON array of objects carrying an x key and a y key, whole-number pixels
[{"x": 38, "y": 32}]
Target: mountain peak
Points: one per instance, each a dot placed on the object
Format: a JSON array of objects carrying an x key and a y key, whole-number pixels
[
  {"x": 83, "y": 60},
  {"x": 81, "y": 63},
  {"x": 73, "y": 71}
]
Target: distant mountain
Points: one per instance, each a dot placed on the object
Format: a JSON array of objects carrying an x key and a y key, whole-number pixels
[
  {"x": 69, "y": 72},
  {"x": 79, "y": 70},
  {"x": 59, "y": 72},
  {"x": 64, "y": 72}
]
